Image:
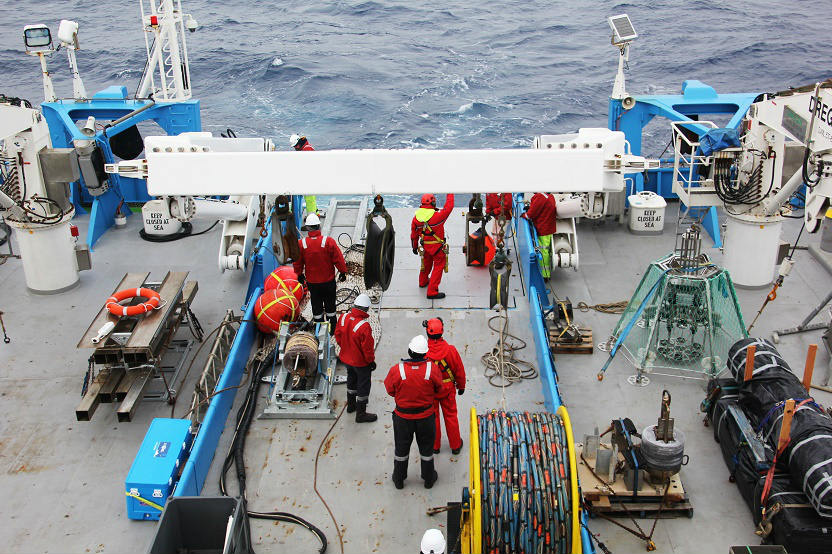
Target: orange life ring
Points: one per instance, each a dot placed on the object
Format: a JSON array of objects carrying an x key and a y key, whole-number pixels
[{"x": 153, "y": 300}]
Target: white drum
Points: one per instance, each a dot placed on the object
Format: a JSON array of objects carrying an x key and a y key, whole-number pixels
[
  {"x": 48, "y": 254},
  {"x": 646, "y": 213},
  {"x": 751, "y": 244}
]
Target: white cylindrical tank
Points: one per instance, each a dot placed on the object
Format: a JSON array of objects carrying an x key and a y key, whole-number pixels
[
  {"x": 646, "y": 213},
  {"x": 48, "y": 254},
  {"x": 751, "y": 244}
]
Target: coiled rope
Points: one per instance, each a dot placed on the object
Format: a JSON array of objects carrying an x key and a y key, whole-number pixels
[
  {"x": 527, "y": 501},
  {"x": 502, "y": 368}
]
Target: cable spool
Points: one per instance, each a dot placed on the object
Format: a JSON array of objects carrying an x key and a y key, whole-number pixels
[
  {"x": 663, "y": 458},
  {"x": 300, "y": 356},
  {"x": 529, "y": 492}
]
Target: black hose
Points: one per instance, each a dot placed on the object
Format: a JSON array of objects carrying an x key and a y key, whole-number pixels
[{"x": 236, "y": 453}]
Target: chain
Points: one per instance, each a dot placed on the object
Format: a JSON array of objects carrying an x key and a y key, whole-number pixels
[
  {"x": 261, "y": 218},
  {"x": 501, "y": 231}
]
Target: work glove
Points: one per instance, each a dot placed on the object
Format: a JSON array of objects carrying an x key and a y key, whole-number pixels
[
  {"x": 302, "y": 279},
  {"x": 416, "y": 251},
  {"x": 460, "y": 392},
  {"x": 372, "y": 366},
  {"x": 342, "y": 277}
]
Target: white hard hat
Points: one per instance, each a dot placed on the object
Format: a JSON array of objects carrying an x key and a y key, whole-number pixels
[
  {"x": 433, "y": 542},
  {"x": 293, "y": 140},
  {"x": 363, "y": 301},
  {"x": 419, "y": 345},
  {"x": 312, "y": 219}
]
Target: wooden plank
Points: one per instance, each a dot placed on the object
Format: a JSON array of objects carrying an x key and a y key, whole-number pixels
[
  {"x": 786, "y": 425},
  {"x": 810, "y": 367},
  {"x": 586, "y": 346},
  {"x": 130, "y": 280},
  {"x": 134, "y": 395},
  {"x": 749, "y": 362},
  {"x": 189, "y": 292},
  {"x": 150, "y": 325},
  {"x": 645, "y": 509}
]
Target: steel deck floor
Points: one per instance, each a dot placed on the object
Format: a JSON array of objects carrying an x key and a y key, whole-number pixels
[{"x": 63, "y": 480}]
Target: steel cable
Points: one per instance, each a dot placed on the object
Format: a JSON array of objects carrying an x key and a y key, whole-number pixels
[{"x": 502, "y": 367}]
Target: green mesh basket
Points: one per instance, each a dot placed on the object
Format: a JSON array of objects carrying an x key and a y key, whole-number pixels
[{"x": 689, "y": 320}]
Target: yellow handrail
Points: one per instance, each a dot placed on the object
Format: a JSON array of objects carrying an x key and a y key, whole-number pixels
[{"x": 577, "y": 547}]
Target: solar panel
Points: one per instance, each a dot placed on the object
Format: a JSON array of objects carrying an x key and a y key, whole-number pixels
[{"x": 622, "y": 28}]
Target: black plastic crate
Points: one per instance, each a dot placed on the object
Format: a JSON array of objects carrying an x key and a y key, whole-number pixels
[{"x": 199, "y": 525}]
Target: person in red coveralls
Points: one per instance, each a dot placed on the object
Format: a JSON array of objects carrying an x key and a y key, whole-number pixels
[
  {"x": 319, "y": 257},
  {"x": 428, "y": 228},
  {"x": 449, "y": 361},
  {"x": 543, "y": 212},
  {"x": 300, "y": 143},
  {"x": 414, "y": 383},
  {"x": 355, "y": 338},
  {"x": 497, "y": 204}
]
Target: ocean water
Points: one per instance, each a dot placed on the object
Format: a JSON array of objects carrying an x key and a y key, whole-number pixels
[{"x": 430, "y": 74}]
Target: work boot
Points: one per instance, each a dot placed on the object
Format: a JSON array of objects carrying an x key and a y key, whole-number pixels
[
  {"x": 431, "y": 480},
  {"x": 436, "y": 451},
  {"x": 437, "y": 296},
  {"x": 350, "y": 403},
  {"x": 457, "y": 450},
  {"x": 399, "y": 473},
  {"x": 362, "y": 415}
]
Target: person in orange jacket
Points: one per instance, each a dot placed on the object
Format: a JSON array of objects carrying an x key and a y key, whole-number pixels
[
  {"x": 319, "y": 257},
  {"x": 428, "y": 229},
  {"x": 358, "y": 352},
  {"x": 414, "y": 383},
  {"x": 301, "y": 144},
  {"x": 543, "y": 213},
  {"x": 449, "y": 361}
]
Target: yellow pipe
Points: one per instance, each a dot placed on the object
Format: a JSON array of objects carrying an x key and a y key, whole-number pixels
[
  {"x": 577, "y": 547},
  {"x": 474, "y": 487}
]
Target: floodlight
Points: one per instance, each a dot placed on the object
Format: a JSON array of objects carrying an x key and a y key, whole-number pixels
[
  {"x": 622, "y": 29},
  {"x": 37, "y": 38}
]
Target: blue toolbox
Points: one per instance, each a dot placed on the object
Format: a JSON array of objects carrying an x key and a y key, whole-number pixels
[{"x": 156, "y": 468}]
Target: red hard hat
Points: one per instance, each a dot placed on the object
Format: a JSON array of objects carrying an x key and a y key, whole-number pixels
[
  {"x": 428, "y": 198},
  {"x": 434, "y": 326}
]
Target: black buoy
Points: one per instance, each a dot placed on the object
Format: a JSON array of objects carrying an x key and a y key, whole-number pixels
[{"x": 379, "y": 248}]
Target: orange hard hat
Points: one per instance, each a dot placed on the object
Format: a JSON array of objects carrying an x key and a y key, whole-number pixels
[
  {"x": 428, "y": 198},
  {"x": 434, "y": 326}
]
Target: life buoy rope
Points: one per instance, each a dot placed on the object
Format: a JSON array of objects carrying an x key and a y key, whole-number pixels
[{"x": 153, "y": 302}]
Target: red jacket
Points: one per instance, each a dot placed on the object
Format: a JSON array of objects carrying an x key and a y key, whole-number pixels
[
  {"x": 434, "y": 235},
  {"x": 495, "y": 204},
  {"x": 355, "y": 337},
  {"x": 320, "y": 256},
  {"x": 542, "y": 213},
  {"x": 414, "y": 385},
  {"x": 449, "y": 361},
  {"x": 307, "y": 147}
]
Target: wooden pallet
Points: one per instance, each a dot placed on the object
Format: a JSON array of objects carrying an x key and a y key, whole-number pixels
[
  {"x": 615, "y": 500},
  {"x": 561, "y": 346}
]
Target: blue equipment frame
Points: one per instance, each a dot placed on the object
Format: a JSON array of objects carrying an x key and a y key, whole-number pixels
[
  {"x": 696, "y": 99},
  {"x": 110, "y": 104}
]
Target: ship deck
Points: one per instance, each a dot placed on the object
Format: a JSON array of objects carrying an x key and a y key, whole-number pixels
[{"x": 63, "y": 480}]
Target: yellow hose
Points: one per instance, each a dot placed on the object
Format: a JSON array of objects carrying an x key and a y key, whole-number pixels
[
  {"x": 475, "y": 487},
  {"x": 577, "y": 547}
]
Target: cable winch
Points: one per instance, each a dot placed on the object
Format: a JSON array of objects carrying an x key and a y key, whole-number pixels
[{"x": 523, "y": 494}]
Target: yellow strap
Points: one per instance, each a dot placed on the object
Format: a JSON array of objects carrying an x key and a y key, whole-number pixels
[
  {"x": 499, "y": 288},
  {"x": 144, "y": 501},
  {"x": 283, "y": 283},
  {"x": 273, "y": 302}
]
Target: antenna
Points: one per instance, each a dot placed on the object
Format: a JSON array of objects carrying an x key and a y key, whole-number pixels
[
  {"x": 623, "y": 33},
  {"x": 167, "y": 55}
]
